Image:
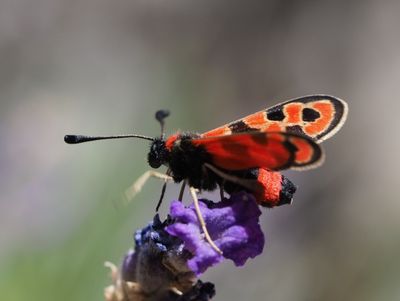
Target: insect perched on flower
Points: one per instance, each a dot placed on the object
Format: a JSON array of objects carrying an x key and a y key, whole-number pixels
[{"x": 247, "y": 153}]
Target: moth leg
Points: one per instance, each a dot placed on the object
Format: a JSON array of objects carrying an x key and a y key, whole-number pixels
[
  {"x": 175, "y": 291},
  {"x": 202, "y": 222},
  {"x": 120, "y": 289},
  {"x": 137, "y": 186},
  {"x": 113, "y": 270},
  {"x": 182, "y": 191},
  {"x": 221, "y": 189},
  {"x": 249, "y": 184},
  {"x": 164, "y": 187}
]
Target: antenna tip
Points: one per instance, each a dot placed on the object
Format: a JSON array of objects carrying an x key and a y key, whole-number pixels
[
  {"x": 162, "y": 114},
  {"x": 71, "y": 139}
]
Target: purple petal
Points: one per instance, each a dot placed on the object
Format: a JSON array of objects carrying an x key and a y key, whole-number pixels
[{"x": 233, "y": 225}]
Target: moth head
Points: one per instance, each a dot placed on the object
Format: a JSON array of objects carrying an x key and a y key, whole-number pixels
[{"x": 158, "y": 154}]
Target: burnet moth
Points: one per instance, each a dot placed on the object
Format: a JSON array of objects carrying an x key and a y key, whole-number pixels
[{"x": 247, "y": 153}]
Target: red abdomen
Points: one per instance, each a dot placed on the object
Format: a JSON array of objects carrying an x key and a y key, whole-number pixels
[{"x": 275, "y": 189}]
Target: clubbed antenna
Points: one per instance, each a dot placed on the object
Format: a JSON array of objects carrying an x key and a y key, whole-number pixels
[
  {"x": 74, "y": 139},
  {"x": 160, "y": 116}
]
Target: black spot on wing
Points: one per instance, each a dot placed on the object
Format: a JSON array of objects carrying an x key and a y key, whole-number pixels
[
  {"x": 276, "y": 114},
  {"x": 240, "y": 127},
  {"x": 295, "y": 129},
  {"x": 310, "y": 115}
]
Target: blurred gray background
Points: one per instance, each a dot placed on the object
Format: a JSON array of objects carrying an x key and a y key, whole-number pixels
[{"x": 105, "y": 67}]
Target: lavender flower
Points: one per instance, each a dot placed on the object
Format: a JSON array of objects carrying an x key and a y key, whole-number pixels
[
  {"x": 232, "y": 224},
  {"x": 157, "y": 270},
  {"x": 169, "y": 255}
]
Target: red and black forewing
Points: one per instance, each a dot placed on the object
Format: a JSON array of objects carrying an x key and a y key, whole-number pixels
[
  {"x": 270, "y": 150},
  {"x": 317, "y": 117}
]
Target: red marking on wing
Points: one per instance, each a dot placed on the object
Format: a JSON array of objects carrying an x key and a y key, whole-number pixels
[
  {"x": 305, "y": 151},
  {"x": 256, "y": 120},
  {"x": 223, "y": 130},
  {"x": 273, "y": 151},
  {"x": 293, "y": 112},
  {"x": 327, "y": 114},
  {"x": 249, "y": 150},
  {"x": 274, "y": 127}
]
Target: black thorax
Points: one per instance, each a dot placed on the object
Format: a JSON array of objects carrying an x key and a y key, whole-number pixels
[{"x": 186, "y": 162}]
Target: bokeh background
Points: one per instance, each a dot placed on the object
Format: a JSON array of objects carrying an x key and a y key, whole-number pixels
[{"x": 105, "y": 67}]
